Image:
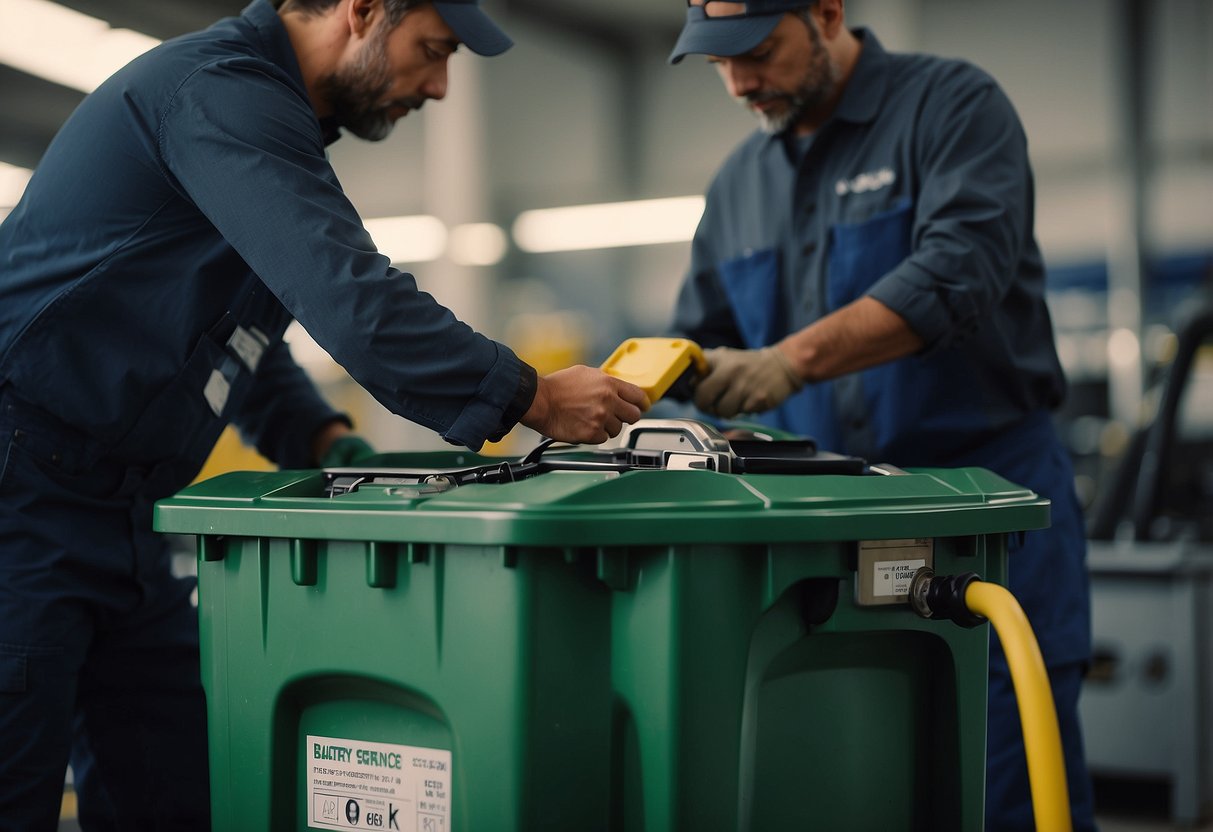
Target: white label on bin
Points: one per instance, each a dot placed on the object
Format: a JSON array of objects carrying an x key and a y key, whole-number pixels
[
  {"x": 354, "y": 784},
  {"x": 893, "y": 577}
]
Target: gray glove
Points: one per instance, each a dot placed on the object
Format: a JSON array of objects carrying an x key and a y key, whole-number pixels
[{"x": 745, "y": 381}]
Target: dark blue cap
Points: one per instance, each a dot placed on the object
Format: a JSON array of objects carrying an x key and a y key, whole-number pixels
[
  {"x": 727, "y": 28},
  {"x": 473, "y": 27}
]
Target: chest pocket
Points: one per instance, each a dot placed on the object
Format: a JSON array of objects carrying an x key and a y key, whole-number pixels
[
  {"x": 751, "y": 283},
  {"x": 861, "y": 253}
]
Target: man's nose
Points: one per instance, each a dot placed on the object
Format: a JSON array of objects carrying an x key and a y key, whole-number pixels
[{"x": 435, "y": 85}]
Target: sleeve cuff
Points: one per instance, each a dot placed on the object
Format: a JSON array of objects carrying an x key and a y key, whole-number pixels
[
  {"x": 936, "y": 315},
  {"x": 491, "y": 415},
  {"x": 528, "y": 385}
]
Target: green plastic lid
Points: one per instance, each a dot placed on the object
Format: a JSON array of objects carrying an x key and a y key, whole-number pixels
[{"x": 601, "y": 507}]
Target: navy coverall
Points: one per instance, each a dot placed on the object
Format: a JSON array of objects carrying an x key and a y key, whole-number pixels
[
  {"x": 180, "y": 219},
  {"x": 916, "y": 192}
]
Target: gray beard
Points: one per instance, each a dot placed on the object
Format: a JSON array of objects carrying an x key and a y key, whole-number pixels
[
  {"x": 355, "y": 91},
  {"x": 805, "y": 101},
  {"x": 815, "y": 89}
]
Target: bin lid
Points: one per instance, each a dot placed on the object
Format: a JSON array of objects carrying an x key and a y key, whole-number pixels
[{"x": 661, "y": 482}]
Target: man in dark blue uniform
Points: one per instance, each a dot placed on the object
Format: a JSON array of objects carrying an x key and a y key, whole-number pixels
[
  {"x": 183, "y": 215},
  {"x": 866, "y": 273}
]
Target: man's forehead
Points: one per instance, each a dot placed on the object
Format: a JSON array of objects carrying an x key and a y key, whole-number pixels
[
  {"x": 721, "y": 8},
  {"x": 747, "y": 8}
]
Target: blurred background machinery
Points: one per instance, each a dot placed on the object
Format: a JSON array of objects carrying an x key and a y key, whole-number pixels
[{"x": 1147, "y": 707}]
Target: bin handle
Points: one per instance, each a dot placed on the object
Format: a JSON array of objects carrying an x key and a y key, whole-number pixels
[{"x": 653, "y": 434}]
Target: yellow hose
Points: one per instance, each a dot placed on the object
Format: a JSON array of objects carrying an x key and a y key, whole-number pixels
[{"x": 1037, "y": 714}]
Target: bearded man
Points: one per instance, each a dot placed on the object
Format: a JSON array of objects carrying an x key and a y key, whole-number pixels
[
  {"x": 866, "y": 273},
  {"x": 183, "y": 215}
]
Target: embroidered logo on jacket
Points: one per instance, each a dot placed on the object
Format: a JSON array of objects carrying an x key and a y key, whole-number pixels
[{"x": 864, "y": 182}]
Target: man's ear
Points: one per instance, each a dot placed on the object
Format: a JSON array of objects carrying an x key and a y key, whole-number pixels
[
  {"x": 829, "y": 16},
  {"x": 362, "y": 16}
]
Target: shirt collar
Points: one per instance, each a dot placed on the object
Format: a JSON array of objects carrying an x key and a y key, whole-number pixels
[
  {"x": 276, "y": 43},
  {"x": 865, "y": 88}
]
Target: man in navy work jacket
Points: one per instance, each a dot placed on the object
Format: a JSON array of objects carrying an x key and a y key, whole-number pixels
[
  {"x": 866, "y": 273},
  {"x": 183, "y": 215}
]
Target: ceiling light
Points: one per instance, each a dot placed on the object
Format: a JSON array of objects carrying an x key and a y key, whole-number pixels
[
  {"x": 477, "y": 244},
  {"x": 416, "y": 239},
  {"x": 65, "y": 46},
  {"x": 608, "y": 225}
]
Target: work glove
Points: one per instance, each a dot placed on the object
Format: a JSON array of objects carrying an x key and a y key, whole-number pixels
[
  {"x": 745, "y": 381},
  {"x": 345, "y": 451}
]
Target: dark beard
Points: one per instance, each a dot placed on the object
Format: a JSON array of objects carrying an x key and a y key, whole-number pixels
[
  {"x": 814, "y": 92},
  {"x": 354, "y": 92}
]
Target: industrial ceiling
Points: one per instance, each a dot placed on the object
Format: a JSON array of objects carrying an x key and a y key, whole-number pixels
[{"x": 35, "y": 108}]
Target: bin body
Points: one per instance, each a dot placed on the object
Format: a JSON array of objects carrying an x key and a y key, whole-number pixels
[{"x": 656, "y": 650}]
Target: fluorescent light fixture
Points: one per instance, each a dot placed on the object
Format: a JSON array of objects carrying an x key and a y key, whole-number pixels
[
  {"x": 609, "y": 225},
  {"x": 65, "y": 46},
  {"x": 416, "y": 239},
  {"x": 1124, "y": 349},
  {"x": 12, "y": 184},
  {"x": 477, "y": 244}
]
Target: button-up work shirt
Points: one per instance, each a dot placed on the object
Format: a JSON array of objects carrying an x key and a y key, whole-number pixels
[
  {"x": 917, "y": 192},
  {"x": 179, "y": 220}
]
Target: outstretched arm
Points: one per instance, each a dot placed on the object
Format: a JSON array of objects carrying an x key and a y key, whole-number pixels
[{"x": 858, "y": 336}]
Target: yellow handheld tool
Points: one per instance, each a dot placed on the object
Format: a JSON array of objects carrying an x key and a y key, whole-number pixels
[{"x": 654, "y": 364}]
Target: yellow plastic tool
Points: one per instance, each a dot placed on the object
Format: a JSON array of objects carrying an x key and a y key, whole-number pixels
[{"x": 653, "y": 364}]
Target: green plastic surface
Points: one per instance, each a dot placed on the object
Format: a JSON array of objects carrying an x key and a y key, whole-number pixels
[
  {"x": 659, "y": 650},
  {"x": 574, "y": 507}
]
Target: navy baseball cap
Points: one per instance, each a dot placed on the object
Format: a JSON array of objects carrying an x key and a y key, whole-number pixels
[
  {"x": 729, "y": 27},
  {"x": 473, "y": 27}
]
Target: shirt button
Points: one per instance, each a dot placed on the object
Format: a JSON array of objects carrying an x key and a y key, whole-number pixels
[
  {"x": 809, "y": 248},
  {"x": 858, "y": 423}
]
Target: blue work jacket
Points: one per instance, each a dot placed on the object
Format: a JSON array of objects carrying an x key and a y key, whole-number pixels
[
  {"x": 917, "y": 191},
  {"x": 178, "y": 221}
]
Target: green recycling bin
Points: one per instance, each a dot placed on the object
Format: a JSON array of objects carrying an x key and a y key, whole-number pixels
[{"x": 667, "y": 632}]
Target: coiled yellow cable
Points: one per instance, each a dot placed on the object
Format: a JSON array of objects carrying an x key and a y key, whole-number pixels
[{"x": 1037, "y": 713}]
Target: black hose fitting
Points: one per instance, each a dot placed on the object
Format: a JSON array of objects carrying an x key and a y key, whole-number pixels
[{"x": 934, "y": 596}]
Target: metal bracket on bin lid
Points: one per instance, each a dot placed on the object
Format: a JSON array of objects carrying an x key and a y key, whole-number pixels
[{"x": 681, "y": 443}]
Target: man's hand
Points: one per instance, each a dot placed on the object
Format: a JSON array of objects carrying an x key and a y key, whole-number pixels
[
  {"x": 745, "y": 381},
  {"x": 584, "y": 405}
]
